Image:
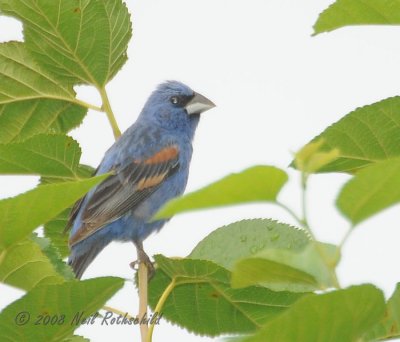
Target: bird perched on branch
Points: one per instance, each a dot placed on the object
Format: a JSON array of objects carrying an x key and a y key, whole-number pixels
[{"x": 149, "y": 165}]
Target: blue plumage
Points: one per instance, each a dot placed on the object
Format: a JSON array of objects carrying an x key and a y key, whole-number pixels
[{"x": 149, "y": 165}]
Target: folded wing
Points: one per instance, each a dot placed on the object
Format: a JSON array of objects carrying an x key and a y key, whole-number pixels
[{"x": 124, "y": 190}]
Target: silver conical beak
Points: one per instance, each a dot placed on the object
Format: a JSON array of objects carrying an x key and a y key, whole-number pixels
[{"x": 198, "y": 104}]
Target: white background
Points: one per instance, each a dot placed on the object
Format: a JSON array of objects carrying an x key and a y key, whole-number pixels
[{"x": 276, "y": 87}]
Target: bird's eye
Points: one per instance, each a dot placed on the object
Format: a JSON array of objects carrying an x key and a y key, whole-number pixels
[{"x": 174, "y": 100}]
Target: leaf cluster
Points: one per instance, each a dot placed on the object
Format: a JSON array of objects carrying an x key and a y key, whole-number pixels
[
  {"x": 66, "y": 43},
  {"x": 256, "y": 279}
]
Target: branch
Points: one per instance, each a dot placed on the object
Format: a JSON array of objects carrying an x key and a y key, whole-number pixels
[
  {"x": 143, "y": 278},
  {"x": 118, "y": 312},
  {"x": 106, "y": 107}
]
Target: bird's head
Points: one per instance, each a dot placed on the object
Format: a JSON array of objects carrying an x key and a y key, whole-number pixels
[{"x": 175, "y": 106}]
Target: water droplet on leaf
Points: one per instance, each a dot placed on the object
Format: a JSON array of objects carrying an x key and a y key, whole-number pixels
[
  {"x": 275, "y": 237},
  {"x": 254, "y": 250}
]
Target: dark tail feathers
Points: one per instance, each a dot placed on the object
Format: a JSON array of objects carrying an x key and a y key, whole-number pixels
[{"x": 80, "y": 263}]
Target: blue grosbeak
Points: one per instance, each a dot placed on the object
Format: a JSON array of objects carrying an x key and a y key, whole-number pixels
[{"x": 149, "y": 165}]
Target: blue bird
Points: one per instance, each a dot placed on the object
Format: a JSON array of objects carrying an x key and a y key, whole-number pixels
[{"x": 149, "y": 165}]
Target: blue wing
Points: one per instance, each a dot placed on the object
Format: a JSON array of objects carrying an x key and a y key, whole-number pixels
[{"x": 123, "y": 191}]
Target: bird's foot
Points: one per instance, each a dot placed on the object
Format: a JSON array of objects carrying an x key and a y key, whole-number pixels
[
  {"x": 149, "y": 265},
  {"x": 143, "y": 258}
]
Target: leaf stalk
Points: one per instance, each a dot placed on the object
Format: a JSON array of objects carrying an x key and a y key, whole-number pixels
[
  {"x": 160, "y": 305},
  {"x": 106, "y": 107}
]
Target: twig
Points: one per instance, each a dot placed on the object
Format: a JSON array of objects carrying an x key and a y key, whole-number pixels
[
  {"x": 143, "y": 279},
  {"x": 106, "y": 107},
  {"x": 118, "y": 312}
]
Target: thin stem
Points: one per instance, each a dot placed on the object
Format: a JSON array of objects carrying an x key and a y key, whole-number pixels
[
  {"x": 87, "y": 105},
  {"x": 290, "y": 212},
  {"x": 106, "y": 107},
  {"x": 160, "y": 305},
  {"x": 118, "y": 312},
  {"x": 304, "y": 219},
  {"x": 144, "y": 329},
  {"x": 321, "y": 252},
  {"x": 346, "y": 237},
  {"x": 344, "y": 240}
]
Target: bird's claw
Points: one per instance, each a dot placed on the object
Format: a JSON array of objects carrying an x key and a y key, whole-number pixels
[
  {"x": 149, "y": 265},
  {"x": 143, "y": 258},
  {"x": 134, "y": 265}
]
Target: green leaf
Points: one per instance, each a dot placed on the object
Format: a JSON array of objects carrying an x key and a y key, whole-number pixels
[
  {"x": 287, "y": 270},
  {"x": 82, "y": 171},
  {"x": 370, "y": 191},
  {"x": 310, "y": 159},
  {"x": 54, "y": 256},
  {"x": 246, "y": 238},
  {"x": 45, "y": 155},
  {"x": 274, "y": 275},
  {"x": 76, "y": 338},
  {"x": 81, "y": 41},
  {"x": 20, "y": 215},
  {"x": 203, "y": 302},
  {"x": 256, "y": 184},
  {"x": 389, "y": 326},
  {"x": 365, "y": 136},
  {"x": 68, "y": 299},
  {"x": 343, "y": 315},
  {"x": 24, "y": 119},
  {"x": 32, "y": 100},
  {"x": 86, "y": 171},
  {"x": 120, "y": 33},
  {"x": 54, "y": 230},
  {"x": 21, "y": 78},
  {"x": 358, "y": 12},
  {"x": 25, "y": 266},
  {"x": 2, "y": 256}
]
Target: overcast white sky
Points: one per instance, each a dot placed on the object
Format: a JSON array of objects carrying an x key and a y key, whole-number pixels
[{"x": 276, "y": 87}]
